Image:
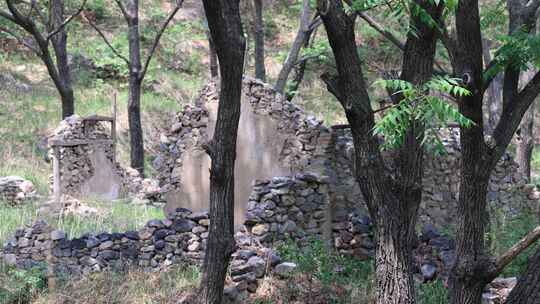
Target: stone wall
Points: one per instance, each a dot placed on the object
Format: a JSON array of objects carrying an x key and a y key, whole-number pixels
[
  {"x": 15, "y": 190},
  {"x": 508, "y": 190},
  {"x": 78, "y": 174}
]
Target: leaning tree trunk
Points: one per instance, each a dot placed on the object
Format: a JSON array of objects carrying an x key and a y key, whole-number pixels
[
  {"x": 260, "y": 70},
  {"x": 59, "y": 42},
  {"x": 226, "y": 30},
  {"x": 135, "y": 81},
  {"x": 292, "y": 57}
]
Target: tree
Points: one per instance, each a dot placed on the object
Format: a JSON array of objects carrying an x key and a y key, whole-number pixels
[
  {"x": 260, "y": 70},
  {"x": 226, "y": 30},
  {"x": 474, "y": 267},
  {"x": 392, "y": 198},
  {"x": 525, "y": 139},
  {"x": 299, "y": 40},
  {"x": 137, "y": 72},
  {"x": 45, "y": 29},
  {"x": 527, "y": 290}
]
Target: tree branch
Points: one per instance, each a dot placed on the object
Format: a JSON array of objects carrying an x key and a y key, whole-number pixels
[
  {"x": 7, "y": 16},
  {"x": 507, "y": 257},
  {"x": 20, "y": 40},
  {"x": 107, "y": 42},
  {"x": 123, "y": 9},
  {"x": 68, "y": 20},
  {"x": 331, "y": 82},
  {"x": 376, "y": 26},
  {"x": 158, "y": 37}
]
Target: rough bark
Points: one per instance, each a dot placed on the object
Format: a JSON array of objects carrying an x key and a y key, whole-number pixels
[
  {"x": 474, "y": 268},
  {"x": 260, "y": 70},
  {"x": 226, "y": 30},
  {"x": 527, "y": 290},
  {"x": 392, "y": 203},
  {"x": 525, "y": 138},
  {"x": 292, "y": 57}
]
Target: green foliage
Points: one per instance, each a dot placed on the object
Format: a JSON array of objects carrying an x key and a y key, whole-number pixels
[
  {"x": 518, "y": 51},
  {"x": 19, "y": 286},
  {"x": 106, "y": 60},
  {"x": 432, "y": 293},
  {"x": 418, "y": 106},
  {"x": 99, "y": 7}
]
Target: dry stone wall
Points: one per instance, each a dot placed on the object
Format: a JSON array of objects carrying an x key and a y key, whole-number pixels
[
  {"x": 15, "y": 190},
  {"x": 78, "y": 172}
]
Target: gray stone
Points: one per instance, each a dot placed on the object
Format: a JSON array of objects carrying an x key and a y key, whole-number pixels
[
  {"x": 285, "y": 269},
  {"x": 57, "y": 235}
]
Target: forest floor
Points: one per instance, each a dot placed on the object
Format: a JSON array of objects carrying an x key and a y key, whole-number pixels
[{"x": 30, "y": 109}]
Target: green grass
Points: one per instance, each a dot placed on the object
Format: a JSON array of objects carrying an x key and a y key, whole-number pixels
[
  {"x": 432, "y": 293},
  {"x": 118, "y": 216}
]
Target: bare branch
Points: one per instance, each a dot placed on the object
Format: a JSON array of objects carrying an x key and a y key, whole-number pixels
[
  {"x": 376, "y": 26},
  {"x": 507, "y": 257},
  {"x": 107, "y": 42},
  {"x": 68, "y": 20},
  {"x": 123, "y": 9},
  {"x": 7, "y": 16},
  {"x": 158, "y": 37}
]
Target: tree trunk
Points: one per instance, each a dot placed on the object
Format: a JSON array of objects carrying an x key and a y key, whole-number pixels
[
  {"x": 59, "y": 42},
  {"x": 226, "y": 30},
  {"x": 525, "y": 138},
  {"x": 392, "y": 205},
  {"x": 135, "y": 80},
  {"x": 214, "y": 69},
  {"x": 260, "y": 70},
  {"x": 527, "y": 290},
  {"x": 292, "y": 57},
  {"x": 494, "y": 102}
]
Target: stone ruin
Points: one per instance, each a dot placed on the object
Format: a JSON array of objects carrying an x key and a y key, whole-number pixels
[
  {"x": 88, "y": 166},
  {"x": 277, "y": 138},
  {"x": 15, "y": 190},
  {"x": 295, "y": 181}
]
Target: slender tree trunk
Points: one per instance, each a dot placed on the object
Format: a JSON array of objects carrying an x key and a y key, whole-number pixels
[
  {"x": 260, "y": 70},
  {"x": 214, "y": 69},
  {"x": 135, "y": 81},
  {"x": 527, "y": 290},
  {"x": 292, "y": 57},
  {"x": 525, "y": 138},
  {"x": 59, "y": 42},
  {"x": 226, "y": 30}
]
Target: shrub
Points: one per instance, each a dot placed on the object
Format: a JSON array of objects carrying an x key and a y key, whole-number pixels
[{"x": 18, "y": 286}]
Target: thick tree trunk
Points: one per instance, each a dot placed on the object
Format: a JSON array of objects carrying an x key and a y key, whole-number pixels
[
  {"x": 392, "y": 205},
  {"x": 260, "y": 70},
  {"x": 135, "y": 80},
  {"x": 292, "y": 57},
  {"x": 226, "y": 29},
  {"x": 527, "y": 290},
  {"x": 59, "y": 42}
]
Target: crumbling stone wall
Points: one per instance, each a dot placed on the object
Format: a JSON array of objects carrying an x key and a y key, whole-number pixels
[
  {"x": 77, "y": 167},
  {"x": 15, "y": 190}
]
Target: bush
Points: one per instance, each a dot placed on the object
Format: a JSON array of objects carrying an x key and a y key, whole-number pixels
[
  {"x": 432, "y": 293},
  {"x": 18, "y": 286}
]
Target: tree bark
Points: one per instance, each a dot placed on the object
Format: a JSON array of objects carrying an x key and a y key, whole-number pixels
[
  {"x": 393, "y": 204},
  {"x": 260, "y": 70},
  {"x": 226, "y": 30},
  {"x": 292, "y": 57},
  {"x": 135, "y": 81},
  {"x": 527, "y": 290},
  {"x": 525, "y": 138},
  {"x": 494, "y": 93},
  {"x": 473, "y": 268},
  {"x": 59, "y": 42}
]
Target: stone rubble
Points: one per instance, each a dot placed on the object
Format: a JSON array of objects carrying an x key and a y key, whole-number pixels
[{"x": 15, "y": 190}]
